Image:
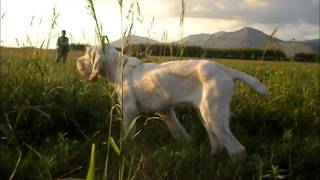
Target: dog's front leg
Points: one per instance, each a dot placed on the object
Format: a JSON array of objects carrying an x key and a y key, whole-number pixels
[
  {"x": 129, "y": 107},
  {"x": 171, "y": 120},
  {"x": 128, "y": 123},
  {"x": 130, "y": 113}
]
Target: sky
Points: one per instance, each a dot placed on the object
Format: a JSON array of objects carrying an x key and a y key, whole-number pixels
[{"x": 27, "y": 22}]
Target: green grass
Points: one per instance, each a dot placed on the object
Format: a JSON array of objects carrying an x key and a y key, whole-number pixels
[{"x": 52, "y": 116}]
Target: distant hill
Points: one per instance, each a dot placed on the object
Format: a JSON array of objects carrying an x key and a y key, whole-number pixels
[
  {"x": 134, "y": 39},
  {"x": 314, "y": 43},
  {"x": 291, "y": 48},
  {"x": 244, "y": 38}
]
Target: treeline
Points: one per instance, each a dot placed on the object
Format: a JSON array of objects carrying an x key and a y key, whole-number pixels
[
  {"x": 78, "y": 46},
  {"x": 142, "y": 50},
  {"x": 195, "y": 51},
  {"x": 311, "y": 57}
]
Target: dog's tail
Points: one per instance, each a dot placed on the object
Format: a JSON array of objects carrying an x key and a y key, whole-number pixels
[{"x": 251, "y": 81}]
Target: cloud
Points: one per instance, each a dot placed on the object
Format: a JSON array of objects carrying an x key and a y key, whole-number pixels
[
  {"x": 297, "y": 19},
  {"x": 257, "y": 11},
  {"x": 191, "y": 26},
  {"x": 284, "y": 14},
  {"x": 257, "y": 2}
]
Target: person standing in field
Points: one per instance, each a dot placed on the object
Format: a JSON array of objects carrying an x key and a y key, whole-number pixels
[{"x": 62, "y": 47}]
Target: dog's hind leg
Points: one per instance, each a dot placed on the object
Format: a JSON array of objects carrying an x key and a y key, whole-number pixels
[
  {"x": 217, "y": 120},
  {"x": 216, "y": 146},
  {"x": 176, "y": 129},
  {"x": 214, "y": 108}
]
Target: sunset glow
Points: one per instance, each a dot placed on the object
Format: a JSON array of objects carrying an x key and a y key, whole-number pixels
[{"x": 23, "y": 20}]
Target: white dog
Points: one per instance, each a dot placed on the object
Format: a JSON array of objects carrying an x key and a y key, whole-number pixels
[{"x": 151, "y": 87}]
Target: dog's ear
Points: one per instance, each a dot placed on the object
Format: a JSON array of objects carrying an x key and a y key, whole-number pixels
[{"x": 97, "y": 61}]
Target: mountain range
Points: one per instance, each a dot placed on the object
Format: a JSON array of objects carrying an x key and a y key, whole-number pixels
[
  {"x": 134, "y": 39},
  {"x": 244, "y": 38}
]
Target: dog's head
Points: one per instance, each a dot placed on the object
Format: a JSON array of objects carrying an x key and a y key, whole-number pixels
[{"x": 91, "y": 64}]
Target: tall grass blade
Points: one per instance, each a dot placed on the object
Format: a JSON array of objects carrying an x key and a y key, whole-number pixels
[
  {"x": 114, "y": 146},
  {"x": 16, "y": 166},
  {"x": 182, "y": 15},
  {"x": 53, "y": 25},
  {"x": 268, "y": 43},
  {"x": 43, "y": 158},
  {"x": 99, "y": 35},
  {"x": 91, "y": 173},
  {"x": 137, "y": 169},
  {"x": 105, "y": 173},
  {"x": 131, "y": 127}
]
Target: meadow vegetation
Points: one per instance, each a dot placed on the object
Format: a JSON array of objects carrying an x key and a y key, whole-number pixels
[{"x": 50, "y": 116}]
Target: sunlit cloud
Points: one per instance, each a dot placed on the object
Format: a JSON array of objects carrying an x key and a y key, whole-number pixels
[
  {"x": 294, "y": 18},
  {"x": 221, "y": 6},
  {"x": 261, "y": 3}
]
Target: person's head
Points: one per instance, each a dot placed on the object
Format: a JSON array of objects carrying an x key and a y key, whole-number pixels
[{"x": 63, "y": 32}]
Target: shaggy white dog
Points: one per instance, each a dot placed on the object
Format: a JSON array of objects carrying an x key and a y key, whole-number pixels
[{"x": 151, "y": 87}]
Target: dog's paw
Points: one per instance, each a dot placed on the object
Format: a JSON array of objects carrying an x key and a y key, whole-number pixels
[
  {"x": 216, "y": 150},
  {"x": 239, "y": 156}
]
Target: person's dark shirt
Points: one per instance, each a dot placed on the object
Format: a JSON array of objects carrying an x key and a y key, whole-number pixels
[{"x": 63, "y": 42}]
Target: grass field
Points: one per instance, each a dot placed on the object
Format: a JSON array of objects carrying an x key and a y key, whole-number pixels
[{"x": 50, "y": 116}]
